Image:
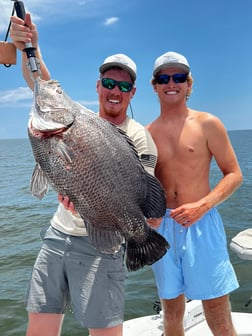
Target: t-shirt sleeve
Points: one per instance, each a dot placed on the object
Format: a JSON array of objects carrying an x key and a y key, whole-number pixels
[{"x": 146, "y": 149}]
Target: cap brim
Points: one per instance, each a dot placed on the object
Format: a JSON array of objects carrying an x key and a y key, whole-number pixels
[
  {"x": 107, "y": 66},
  {"x": 171, "y": 65}
]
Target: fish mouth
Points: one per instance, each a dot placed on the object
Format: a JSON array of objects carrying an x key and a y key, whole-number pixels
[{"x": 47, "y": 133}]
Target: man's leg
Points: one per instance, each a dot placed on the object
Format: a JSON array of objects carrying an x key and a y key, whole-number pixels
[
  {"x": 43, "y": 324},
  {"x": 173, "y": 313},
  {"x": 218, "y": 316}
]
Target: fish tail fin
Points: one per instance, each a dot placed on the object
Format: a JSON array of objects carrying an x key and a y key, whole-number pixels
[{"x": 139, "y": 254}]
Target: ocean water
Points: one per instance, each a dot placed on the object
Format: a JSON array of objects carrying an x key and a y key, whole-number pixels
[{"x": 22, "y": 217}]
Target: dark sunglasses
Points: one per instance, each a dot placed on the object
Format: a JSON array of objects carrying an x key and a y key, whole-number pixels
[
  {"x": 177, "y": 78},
  {"x": 110, "y": 83}
]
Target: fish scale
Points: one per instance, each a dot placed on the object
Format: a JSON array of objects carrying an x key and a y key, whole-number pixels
[{"x": 96, "y": 165}]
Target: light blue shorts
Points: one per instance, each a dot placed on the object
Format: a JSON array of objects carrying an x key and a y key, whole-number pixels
[
  {"x": 197, "y": 263},
  {"x": 70, "y": 272}
]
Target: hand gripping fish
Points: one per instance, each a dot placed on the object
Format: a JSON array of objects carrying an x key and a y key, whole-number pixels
[{"x": 86, "y": 158}]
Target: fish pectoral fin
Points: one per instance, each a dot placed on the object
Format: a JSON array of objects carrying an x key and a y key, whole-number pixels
[
  {"x": 65, "y": 152},
  {"x": 105, "y": 241},
  {"x": 155, "y": 202},
  {"x": 39, "y": 183},
  {"x": 141, "y": 252}
]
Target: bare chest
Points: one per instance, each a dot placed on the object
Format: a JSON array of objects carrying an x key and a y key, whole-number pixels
[{"x": 184, "y": 146}]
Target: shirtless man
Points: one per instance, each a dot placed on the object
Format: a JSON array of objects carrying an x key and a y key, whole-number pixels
[{"x": 197, "y": 266}]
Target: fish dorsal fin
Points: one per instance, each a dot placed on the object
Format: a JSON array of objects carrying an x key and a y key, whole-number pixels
[
  {"x": 155, "y": 203},
  {"x": 128, "y": 139}
]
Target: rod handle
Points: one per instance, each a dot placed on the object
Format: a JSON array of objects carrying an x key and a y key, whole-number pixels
[{"x": 29, "y": 49}]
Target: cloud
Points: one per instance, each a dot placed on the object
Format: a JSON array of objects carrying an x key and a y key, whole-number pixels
[
  {"x": 50, "y": 10},
  {"x": 89, "y": 103},
  {"x": 5, "y": 13},
  {"x": 110, "y": 21},
  {"x": 19, "y": 97},
  {"x": 22, "y": 97},
  {"x": 31, "y": 6}
]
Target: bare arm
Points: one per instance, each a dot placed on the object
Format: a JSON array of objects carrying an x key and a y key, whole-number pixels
[
  {"x": 24, "y": 31},
  {"x": 220, "y": 147},
  {"x": 223, "y": 152}
]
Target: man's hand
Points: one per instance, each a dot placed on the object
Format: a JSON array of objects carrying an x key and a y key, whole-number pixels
[
  {"x": 188, "y": 213},
  {"x": 67, "y": 203},
  {"x": 23, "y": 31},
  {"x": 154, "y": 223}
]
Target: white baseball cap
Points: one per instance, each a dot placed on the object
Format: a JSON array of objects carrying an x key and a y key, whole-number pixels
[
  {"x": 169, "y": 60},
  {"x": 122, "y": 61}
]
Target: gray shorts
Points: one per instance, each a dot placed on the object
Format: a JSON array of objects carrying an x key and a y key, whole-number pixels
[{"x": 69, "y": 271}]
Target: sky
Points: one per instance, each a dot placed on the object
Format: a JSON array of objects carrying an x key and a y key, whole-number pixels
[{"x": 75, "y": 36}]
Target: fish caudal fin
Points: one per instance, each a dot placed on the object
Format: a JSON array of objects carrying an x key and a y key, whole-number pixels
[{"x": 147, "y": 252}]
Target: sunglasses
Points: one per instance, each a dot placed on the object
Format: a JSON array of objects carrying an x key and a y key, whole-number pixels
[
  {"x": 177, "y": 78},
  {"x": 110, "y": 84}
]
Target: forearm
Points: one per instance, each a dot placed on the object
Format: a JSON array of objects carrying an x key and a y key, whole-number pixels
[
  {"x": 187, "y": 214},
  {"x": 22, "y": 32},
  {"x": 223, "y": 190},
  {"x": 30, "y": 76}
]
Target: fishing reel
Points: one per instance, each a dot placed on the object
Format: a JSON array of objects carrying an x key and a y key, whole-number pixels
[{"x": 8, "y": 53}]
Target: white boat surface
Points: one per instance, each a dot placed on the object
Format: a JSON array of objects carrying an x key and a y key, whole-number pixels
[
  {"x": 194, "y": 319},
  {"x": 194, "y": 323}
]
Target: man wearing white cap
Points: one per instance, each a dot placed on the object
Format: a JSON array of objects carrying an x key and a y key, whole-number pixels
[
  {"x": 68, "y": 269},
  {"x": 197, "y": 265}
]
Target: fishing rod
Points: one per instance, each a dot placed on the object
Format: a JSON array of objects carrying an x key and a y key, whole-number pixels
[{"x": 29, "y": 49}]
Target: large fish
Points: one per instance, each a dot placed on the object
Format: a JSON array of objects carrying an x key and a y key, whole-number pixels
[{"x": 96, "y": 165}]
